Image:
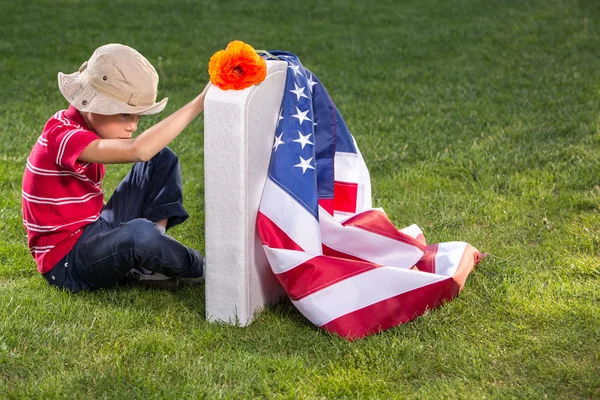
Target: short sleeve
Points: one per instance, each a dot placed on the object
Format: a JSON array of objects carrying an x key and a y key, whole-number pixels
[{"x": 65, "y": 146}]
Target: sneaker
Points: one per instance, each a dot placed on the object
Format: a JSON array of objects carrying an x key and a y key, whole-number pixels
[
  {"x": 158, "y": 280},
  {"x": 195, "y": 281},
  {"x": 153, "y": 279}
]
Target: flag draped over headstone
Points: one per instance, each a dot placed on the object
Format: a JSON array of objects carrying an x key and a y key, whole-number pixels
[{"x": 342, "y": 263}]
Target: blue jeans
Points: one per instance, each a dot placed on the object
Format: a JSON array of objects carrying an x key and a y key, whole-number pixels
[{"x": 125, "y": 236}]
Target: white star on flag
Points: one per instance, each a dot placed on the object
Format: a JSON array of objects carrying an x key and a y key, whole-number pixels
[
  {"x": 301, "y": 115},
  {"x": 303, "y": 140},
  {"x": 278, "y": 141},
  {"x": 299, "y": 92},
  {"x": 296, "y": 69},
  {"x": 280, "y": 115},
  {"x": 304, "y": 164},
  {"x": 311, "y": 83}
]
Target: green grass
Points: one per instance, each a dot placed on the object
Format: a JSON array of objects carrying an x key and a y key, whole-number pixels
[{"x": 479, "y": 121}]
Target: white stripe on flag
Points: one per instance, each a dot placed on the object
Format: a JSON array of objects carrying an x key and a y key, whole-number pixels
[
  {"x": 282, "y": 260},
  {"x": 367, "y": 245},
  {"x": 448, "y": 257},
  {"x": 346, "y": 167},
  {"x": 361, "y": 291},
  {"x": 364, "y": 201},
  {"x": 341, "y": 216},
  {"x": 413, "y": 231},
  {"x": 300, "y": 225}
]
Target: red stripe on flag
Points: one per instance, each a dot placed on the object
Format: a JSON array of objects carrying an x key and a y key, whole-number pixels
[
  {"x": 319, "y": 272},
  {"x": 427, "y": 262},
  {"x": 395, "y": 310},
  {"x": 377, "y": 222},
  {"x": 328, "y": 205},
  {"x": 344, "y": 196},
  {"x": 328, "y": 251},
  {"x": 273, "y": 236}
]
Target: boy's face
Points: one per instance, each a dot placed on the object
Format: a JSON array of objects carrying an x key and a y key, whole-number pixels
[{"x": 119, "y": 126}]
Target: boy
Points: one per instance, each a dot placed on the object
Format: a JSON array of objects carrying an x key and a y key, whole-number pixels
[{"x": 77, "y": 243}]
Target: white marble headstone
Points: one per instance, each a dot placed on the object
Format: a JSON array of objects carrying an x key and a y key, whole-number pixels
[{"x": 239, "y": 127}]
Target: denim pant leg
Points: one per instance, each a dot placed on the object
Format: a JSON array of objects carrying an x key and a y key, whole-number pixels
[
  {"x": 125, "y": 236},
  {"x": 103, "y": 256},
  {"x": 151, "y": 190}
]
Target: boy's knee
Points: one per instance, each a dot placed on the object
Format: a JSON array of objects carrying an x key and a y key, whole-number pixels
[
  {"x": 166, "y": 155},
  {"x": 143, "y": 232}
]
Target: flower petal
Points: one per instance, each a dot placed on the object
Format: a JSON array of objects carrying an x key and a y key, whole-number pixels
[{"x": 237, "y": 67}]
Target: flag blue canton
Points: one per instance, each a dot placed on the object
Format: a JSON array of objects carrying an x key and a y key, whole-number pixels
[{"x": 309, "y": 132}]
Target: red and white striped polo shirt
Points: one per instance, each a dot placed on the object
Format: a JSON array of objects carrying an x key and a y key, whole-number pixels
[{"x": 61, "y": 194}]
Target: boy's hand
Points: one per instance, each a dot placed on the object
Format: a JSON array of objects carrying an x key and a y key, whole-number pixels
[
  {"x": 202, "y": 95},
  {"x": 206, "y": 88}
]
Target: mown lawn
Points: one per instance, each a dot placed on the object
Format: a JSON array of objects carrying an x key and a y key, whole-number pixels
[{"x": 479, "y": 121}]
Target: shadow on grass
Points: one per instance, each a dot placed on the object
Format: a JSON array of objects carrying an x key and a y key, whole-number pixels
[{"x": 192, "y": 298}]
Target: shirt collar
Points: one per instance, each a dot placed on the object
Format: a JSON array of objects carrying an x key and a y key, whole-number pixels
[{"x": 74, "y": 115}]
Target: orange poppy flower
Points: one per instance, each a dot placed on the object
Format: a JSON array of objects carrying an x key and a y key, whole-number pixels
[{"x": 237, "y": 67}]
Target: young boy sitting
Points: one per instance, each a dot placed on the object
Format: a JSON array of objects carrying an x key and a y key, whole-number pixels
[{"x": 77, "y": 242}]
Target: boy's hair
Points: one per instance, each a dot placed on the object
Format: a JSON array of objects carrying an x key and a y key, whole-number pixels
[{"x": 115, "y": 80}]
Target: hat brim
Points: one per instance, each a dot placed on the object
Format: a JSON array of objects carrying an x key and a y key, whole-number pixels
[{"x": 85, "y": 98}]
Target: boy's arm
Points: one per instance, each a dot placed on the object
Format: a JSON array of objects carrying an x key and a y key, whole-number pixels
[{"x": 148, "y": 143}]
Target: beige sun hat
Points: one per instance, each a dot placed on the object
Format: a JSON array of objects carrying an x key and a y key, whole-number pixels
[{"x": 115, "y": 80}]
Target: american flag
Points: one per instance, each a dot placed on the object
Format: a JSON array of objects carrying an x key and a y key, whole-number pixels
[{"x": 343, "y": 264}]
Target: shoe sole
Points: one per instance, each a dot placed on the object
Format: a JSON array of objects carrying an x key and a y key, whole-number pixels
[{"x": 171, "y": 284}]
